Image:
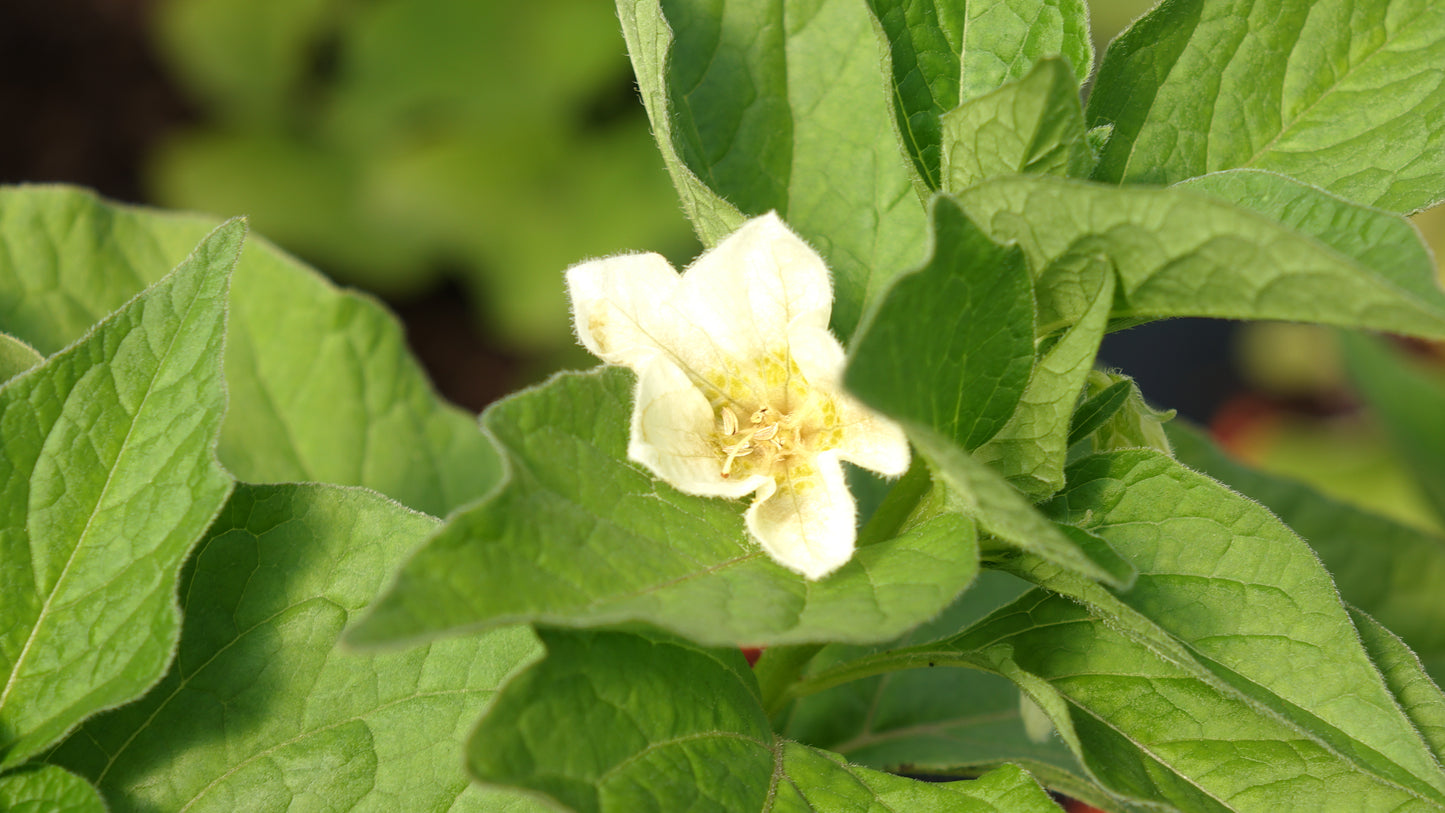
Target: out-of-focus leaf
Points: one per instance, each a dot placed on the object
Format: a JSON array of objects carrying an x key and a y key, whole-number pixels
[
  {"x": 320, "y": 384},
  {"x": 1342, "y": 94},
  {"x": 109, "y": 477},
  {"x": 580, "y": 536},
  {"x": 1410, "y": 400},
  {"x": 262, "y": 710},
  {"x": 16, "y": 357}
]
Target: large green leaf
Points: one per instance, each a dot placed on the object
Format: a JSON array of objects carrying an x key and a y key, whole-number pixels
[
  {"x": 321, "y": 387},
  {"x": 262, "y": 710},
  {"x": 1342, "y": 94},
  {"x": 109, "y": 477},
  {"x": 1392, "y": 571},
  {"x": 1409, "y": 397},
  {"x": 1372, "y": 237},
  {"x": 954, "y": 339},
  {"x": 1033, "y": 125},
  {"x": 1153, "y": 730},
  {"x": 48, "y": 789},
  {"x": 1180, "y": 253},
  {"x": 619, "y": 721},
  {"x": 579, "y": 536},
  {"x": 777, "y": 105},
  {"x": 1249, "y": 602}
]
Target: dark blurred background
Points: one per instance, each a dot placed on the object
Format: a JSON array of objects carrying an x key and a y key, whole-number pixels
[{"x": 454, "y": 156}]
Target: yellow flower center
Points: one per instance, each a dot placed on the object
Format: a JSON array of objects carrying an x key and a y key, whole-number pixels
[{"x": 785, "y": 427}]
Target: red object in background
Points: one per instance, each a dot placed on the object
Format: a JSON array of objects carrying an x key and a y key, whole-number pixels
[
  {"x": 752, "y": 653},
  {"x": 1075, "y": 806},
  {"x": 1242, "y": 422}
]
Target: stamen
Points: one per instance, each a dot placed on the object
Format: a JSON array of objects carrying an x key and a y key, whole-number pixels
[{"x": 729, "y": 423}]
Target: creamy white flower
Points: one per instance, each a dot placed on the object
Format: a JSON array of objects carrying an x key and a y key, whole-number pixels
[{"x": 738, "y": 385}]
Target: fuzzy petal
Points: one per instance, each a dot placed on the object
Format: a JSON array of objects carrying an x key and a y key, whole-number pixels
[
  {"x": 806, "y": 522},
  {"x": 631, "y": 309},
  {"x": 671, "y": 425},
  {"x": 871, "y": 440},
  {"x": 615, "y": 306},
  {"x": 755, "y": 286}
]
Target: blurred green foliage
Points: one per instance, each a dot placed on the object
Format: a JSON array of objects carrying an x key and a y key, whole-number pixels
[{"x": 393, "y": 141}]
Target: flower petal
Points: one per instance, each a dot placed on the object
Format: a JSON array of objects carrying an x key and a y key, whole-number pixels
[
  {"x": 870, "y": 440},
  {"x": 672, "y": 426},
  {"x": 615, "y": 306},
  {"x": 755, "y": 286},
  {"x": 630, "y": 310},
  {"x": 806, "y": 522}
]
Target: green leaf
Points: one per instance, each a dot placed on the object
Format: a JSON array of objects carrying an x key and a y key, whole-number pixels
[
  {"x": 1179, "y": 253},
  {"x": 1098, "y": 409},
  {"x": 671, "y": 726},
  {"x": 109, "y": 477},
  {"x": 1003, "y": 39},
  {"x": 1134, "y": 424},
  {"x": 1030, "y": 450},
  {"x": 927, "y": 360},
  {"x": 1389, "y": 570},
  {"x": 1251, "y": 609},
  {"x": 1419, "y": 697},
  {"x": 1410, "y": 400},
  {"x": 922, "y": 43},
  {"x": 262, "y": 710},
  {"x": 1372, "y": 237},
  {"x": 320, "y": 384},
  {"x": 941, "y": 55},
  {"x": 16, "y": 357},
  {"x": 951, "y": 343},
  {"x": 1000, "y": 510},
  {"x": 1150, "y": 729},
  {"x": 578, "y": 536},
  {"x": 48, "y": 789},
  {"x": 1034, "y": 125},
  {"x": 650, "y": 45},
  {"x": 760, "y": 103},
  {"x": 1341, "y": 94},
  {"x": 929, "y": 721}
]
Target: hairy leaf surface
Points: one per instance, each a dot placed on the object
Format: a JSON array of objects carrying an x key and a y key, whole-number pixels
[
  {"x": 262, "y": 709},
  {"x": 1342, "y": 94},
  {"x": 109, "y": 476},
  {"x": 579, "y": 536}
]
